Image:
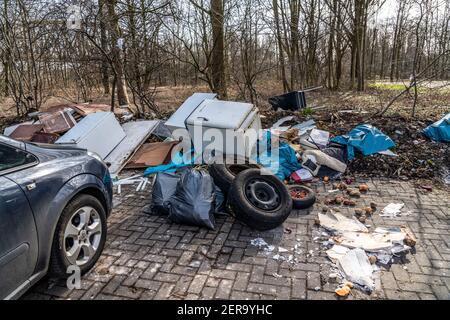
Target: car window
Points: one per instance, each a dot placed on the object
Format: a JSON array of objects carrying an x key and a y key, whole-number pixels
[{"x": 11, "y": 158}]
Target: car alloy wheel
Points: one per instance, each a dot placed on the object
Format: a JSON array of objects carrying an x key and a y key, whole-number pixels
[{"x": 82, "y": 236}]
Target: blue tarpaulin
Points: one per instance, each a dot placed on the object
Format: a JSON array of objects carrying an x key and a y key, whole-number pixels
[
  {"x": 282, "y": 163},
  {"x": 366, "y": 139},
  {"x": 439, "y": 131},
  {"x": 178, "y": 162}
]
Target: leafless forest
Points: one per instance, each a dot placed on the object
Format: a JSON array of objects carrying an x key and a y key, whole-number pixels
[{"x": 125, "y": 49}]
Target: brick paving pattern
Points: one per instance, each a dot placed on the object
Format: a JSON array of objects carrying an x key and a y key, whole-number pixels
[{"x": 147, "y": 257}]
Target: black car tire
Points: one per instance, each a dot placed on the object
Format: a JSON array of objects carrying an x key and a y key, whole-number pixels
[
  {"x": 256, "y": 217},
  {"x": 305, "y": 203},
  {"x": 58, "y": 260},
  {"x": 224, "y": 174}
]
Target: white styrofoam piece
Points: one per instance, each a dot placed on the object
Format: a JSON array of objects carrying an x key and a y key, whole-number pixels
[
  {"x": 136, "y": 134},
  {"x": 178, "y": 119},
  {"x": 98, "y": 132}
]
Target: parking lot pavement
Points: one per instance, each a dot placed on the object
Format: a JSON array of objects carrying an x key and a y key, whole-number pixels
[{"x": 146, "y": 257}]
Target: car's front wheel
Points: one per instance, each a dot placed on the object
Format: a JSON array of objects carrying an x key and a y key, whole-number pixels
[{"x": 79, "y": 237}]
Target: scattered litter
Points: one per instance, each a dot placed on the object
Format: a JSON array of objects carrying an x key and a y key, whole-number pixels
[
  {"x": 343, "y": 291},
  {"x": 388, "y": 153},
  {"x": 301, "y": 176},
  {"x": 381, "y": 240},
  {"x": 439, "y": 131},
  {"x": 259, "y": 242},
  {"x": 393, "y": 210},
  {"x": 276, "y": 275},
  {"x": 282, "y": 250},
  {"x": 337, "y": 252},
  {"x": 304, "y": 127},
  {"x": 366, "y": 139},
  {"x": 279, "y": 123},
  {"x": 319, "y": 138},
  {"x": 337, "y": 223},
  {"x": 357, "y": 268}
]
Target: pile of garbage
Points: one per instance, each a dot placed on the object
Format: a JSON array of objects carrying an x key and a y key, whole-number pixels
[
  {"x": 357, "y": 252},
  {"x": 112, "y": 136},
  {"x": 421, "y": 152}
]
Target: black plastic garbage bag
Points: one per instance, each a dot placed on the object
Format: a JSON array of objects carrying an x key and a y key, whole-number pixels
[
  {"x": 220, "y": 201},
  {"x": 164, "y": 188},
  {"x": 194, "y": 200}
]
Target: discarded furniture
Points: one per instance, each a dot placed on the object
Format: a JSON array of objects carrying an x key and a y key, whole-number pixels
[
  {"x": 178, "y": 119},
  {"x": 98, "y": 132}
]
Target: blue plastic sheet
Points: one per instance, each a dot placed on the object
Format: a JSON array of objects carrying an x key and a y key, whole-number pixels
[
  {"x": 439, "y": 131},
  {"x": 178, "y": 162},
  {"x": 366, "y": 139},
  {"x": 282, "y": 163}
]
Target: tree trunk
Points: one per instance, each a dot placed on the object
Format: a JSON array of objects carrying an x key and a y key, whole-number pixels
[
  {"x": 218, "y": 52},
  {"x": 113, "y": 19},
  {"x": 104, "y": 45},
  {"x": 280, "y": 47}
]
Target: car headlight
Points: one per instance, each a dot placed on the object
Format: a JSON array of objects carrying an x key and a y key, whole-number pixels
[{"x": 95, "y": 156}]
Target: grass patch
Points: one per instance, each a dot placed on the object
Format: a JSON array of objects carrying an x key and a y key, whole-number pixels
[{"x": 387, "y": 86}]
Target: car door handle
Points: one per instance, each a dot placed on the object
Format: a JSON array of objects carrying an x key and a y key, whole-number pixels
[{"x": 31, "y": 186}]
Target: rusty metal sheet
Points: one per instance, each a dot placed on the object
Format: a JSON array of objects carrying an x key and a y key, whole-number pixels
[
  {"x": 26, "y": 131},
  {"x": 58, "y": 122},
  {"x": 43, "y": 137},
  {"x": 151, "y": 155}
]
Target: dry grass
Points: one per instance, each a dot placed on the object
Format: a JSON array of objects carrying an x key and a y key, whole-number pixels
[{"x": 432, "y": 105}]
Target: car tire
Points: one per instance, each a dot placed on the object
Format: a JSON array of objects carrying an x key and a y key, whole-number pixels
[
  {"x": 83, "y": 205},
  {"x": 224, "y": 174},
  {"x": 305, "y": 203},
  {"x": 262, "y": 202}
]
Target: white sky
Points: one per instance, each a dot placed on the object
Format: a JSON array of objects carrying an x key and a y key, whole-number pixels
[{"x": 388, "y": 10}]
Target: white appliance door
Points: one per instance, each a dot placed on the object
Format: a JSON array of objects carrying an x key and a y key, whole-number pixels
[{"x": 221, "y": 114}]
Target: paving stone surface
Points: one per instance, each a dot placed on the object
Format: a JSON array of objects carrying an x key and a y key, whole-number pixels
[{"x": 147, "y": 257}]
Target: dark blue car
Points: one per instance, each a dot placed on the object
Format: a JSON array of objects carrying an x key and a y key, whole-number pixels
[{"x": 54, "y": 203}]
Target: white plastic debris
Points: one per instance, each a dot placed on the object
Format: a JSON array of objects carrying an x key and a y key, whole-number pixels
[
  {"x": 282, "y": 250},
  {"x": 381, "y": 239},
  {"x": 337, "y": 252},
  {"x": 276, "y": 275},
  {"x": 259, "y": 242},
  {"x": 393, "y": 210},
  {"x": 357, "y": 268},
  {"x": 337, "y": 223}
]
